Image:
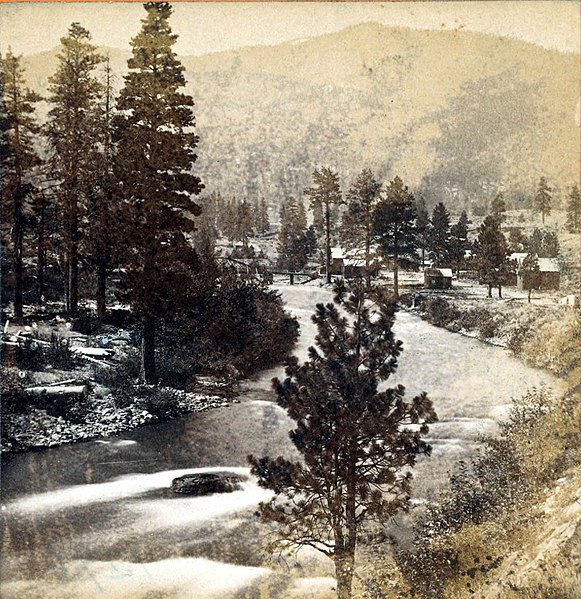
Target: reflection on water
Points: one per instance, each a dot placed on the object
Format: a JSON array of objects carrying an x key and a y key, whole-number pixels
[{"x": 97, "y": 519}]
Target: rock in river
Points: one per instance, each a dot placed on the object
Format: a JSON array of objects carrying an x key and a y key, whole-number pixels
[{"x": 207, "y": 483}]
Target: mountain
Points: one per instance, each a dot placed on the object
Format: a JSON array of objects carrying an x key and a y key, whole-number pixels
[{"x": 458, "y": 115}]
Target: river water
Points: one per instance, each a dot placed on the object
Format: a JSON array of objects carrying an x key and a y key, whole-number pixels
[{"x": 96, "y": 519}]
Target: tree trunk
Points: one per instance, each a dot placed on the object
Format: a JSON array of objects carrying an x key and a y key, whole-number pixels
[
  {"x": 74, "y": 262},
  {"x": 344, "y": 573},
  {"x": 529, "y": 298},
  {"x": 490, "y": 290},
  {"x": 367, "y": 261},
  {"x": 328, "y": 240},
  {"x": 147, "y": 374},
  {"x": 40, "y": 255},
  {"x": 101, "y": 289},
  {"x": 18, "y": 234},
  {"x": 395, "y": 277},
  {"x": 500, "y": 291}
]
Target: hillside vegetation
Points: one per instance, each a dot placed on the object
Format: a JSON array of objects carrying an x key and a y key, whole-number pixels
[{"x": 456, "y": 114}]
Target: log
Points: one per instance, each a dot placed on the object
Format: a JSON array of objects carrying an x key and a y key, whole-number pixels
[{"x": 58, "y": 392}]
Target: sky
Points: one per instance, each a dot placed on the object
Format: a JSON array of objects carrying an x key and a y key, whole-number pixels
[{"x": 203, "y": 27}]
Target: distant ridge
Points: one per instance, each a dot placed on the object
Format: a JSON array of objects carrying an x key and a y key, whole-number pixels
[{"x": 456, "y": 114}]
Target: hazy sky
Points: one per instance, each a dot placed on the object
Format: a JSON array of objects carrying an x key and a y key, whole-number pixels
[{"x": 206, "y": 27}]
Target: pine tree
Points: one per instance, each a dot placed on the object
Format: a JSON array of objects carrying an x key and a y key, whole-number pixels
[
  {"x": 292, "y": 238},
  {"x": 156, "y": 146},
  {"x": 574, "y": 210},
  {"x": 103, "y": 231},
  {"x": 362, "y": 198},
  {"x": 19, "y": 158},
  {"x": 440, "y": 235},
  {"x": 498, "y": 207},
  {"x": 394, "y": 226},
  {"x": 71, "y": 130},
  {"x": 491, "y": 254},
  {"x": 423, "y": 226},
  {"x": 530, "y": 274},
  {"x": 459, "y": 241},
  {"x": 325, "y": 194},
  {"x": 355, "y": 440},
  {"x": 244, "y": 222},
  {"x": 543, "y": 199}
]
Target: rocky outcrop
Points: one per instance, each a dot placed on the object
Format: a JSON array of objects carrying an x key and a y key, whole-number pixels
[{"x": 207, "y": 483}]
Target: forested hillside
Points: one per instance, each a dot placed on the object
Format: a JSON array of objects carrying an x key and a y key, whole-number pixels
[{"x": 457, "y": 114}]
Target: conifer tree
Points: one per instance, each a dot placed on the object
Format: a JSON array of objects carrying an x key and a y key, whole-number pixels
[
  {"x": 103, "y": 231},
  {"x": 543, "y": 199},
  {"x": 422, "y": 227},
  {"x": 325, "y": 194},
  {"x": 574, "y": 210},
  {"x": 17, "y": 127},
  {"x": 394, "y": 226},
  {"x": 292, "y": 240},
  {"x": 530, "y": 274},
  {"x": 440, "y": 235},
  {"x": 459, "y": 241},
  {"x": 498, "y": 207},
  {"x": 358, "y": 232},
  {"x": 156, "y": 144},
  {"x": 491, "y": 254},
  {"x": 71, "y": 129},
  {"x": 355, "y": 439}
]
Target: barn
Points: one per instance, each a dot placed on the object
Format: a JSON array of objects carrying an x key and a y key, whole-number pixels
[{"x": 438, "y": 278}]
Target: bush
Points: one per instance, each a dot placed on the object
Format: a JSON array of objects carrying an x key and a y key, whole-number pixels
[
  {"x": 59, "y": 354},
  {"x": 160, "y": 402}
]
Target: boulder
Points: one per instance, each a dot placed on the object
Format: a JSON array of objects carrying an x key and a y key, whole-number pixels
[{"x": 206, "y": 483}]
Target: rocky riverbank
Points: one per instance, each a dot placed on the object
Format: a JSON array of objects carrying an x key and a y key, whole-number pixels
[{"x": 38, "y": 428}]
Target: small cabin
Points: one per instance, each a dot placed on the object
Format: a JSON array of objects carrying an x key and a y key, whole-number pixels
[
  {"x": 549, "y": 276},
  {"x": 438, "y": 278}
]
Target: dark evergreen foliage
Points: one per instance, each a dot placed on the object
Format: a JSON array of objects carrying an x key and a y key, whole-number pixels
[
  {"x": 574, "y": 210},
  {"x": 543, "y": 199},
  {"x": 72, "y": 131},
  {"x": 491, "y": 254},
  {"x": 394, "y": 226},
  {"x": 356, "y": 445},
  {"x": 19, "y": 158},
  {"x": 155, "y": 155},
  {"x": 440, "y": 236},
  {"x": 358, "y": 231},
  {"x": 325, "y": 195}
]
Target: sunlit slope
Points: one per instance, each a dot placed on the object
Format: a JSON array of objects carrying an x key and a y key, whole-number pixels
[{"x": 461, "y": 112}]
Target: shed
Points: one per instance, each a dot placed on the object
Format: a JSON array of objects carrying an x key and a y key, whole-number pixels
[
  {"x": 438, "y": 278},
  {"x": 549, "y": 276}
]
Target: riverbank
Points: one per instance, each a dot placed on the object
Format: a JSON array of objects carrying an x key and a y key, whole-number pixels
[
  {"x": 39, "y": 429},
  {"x": 543, "y": 336}
]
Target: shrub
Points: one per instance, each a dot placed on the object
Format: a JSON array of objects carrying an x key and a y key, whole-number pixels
[
  {"x": 160, "y": 402},
  {"x": 59, "y": 354}
]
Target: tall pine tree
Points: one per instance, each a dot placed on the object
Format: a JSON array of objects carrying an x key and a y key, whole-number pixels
[
  {"x": 356, "y": 440},
  {"x": 74, "y": 93},
  {"x": 325, "y": 194},
  {"x": 18, "y": 126},
  {"x": 574, "y": 210},
  {"x": 440, "y": 235},
  {"x": 155, "y": 155},
  {"x": 491, "y": 254},
  {"x": 394, "y": 226},
  {"x": 543, "y": 199},
  {"x": 358, "y": 233}
]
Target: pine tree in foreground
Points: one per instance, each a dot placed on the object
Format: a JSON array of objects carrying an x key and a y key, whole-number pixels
[
  {"x": 356, "y": 441},
  {"x": 155, "y": 154}
]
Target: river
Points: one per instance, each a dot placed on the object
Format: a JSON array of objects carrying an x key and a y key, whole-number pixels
[{"x": 97, "y": 520}]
